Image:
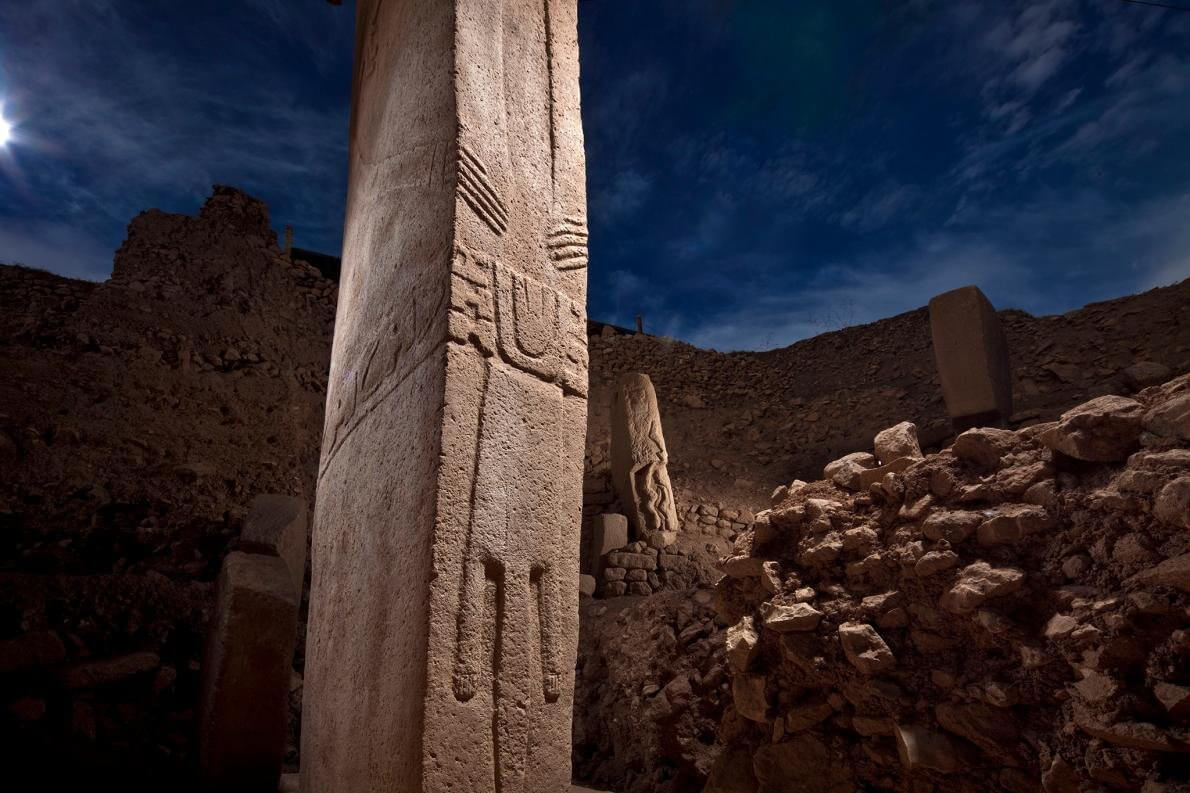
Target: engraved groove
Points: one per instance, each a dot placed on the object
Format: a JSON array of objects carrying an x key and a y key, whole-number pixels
[
  {"x": 475, "y": 170},
  {"x": 468, "y": 183}
]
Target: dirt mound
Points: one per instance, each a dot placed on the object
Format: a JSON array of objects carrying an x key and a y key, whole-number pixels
[
  {"x": 140, "y": 416},
  {"x": 1008, "y": 614}
]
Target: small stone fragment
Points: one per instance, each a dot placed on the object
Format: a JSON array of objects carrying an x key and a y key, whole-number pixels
[
  {"x": 865, "y": 648},
  {"x": 896, "y": 442},
  {"x": 787, "y": 619},
  {"x": 742, "y": 640},
  {"x": 979, "y": 582}
]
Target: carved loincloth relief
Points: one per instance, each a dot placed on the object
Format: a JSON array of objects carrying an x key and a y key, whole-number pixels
[{"x": 532, "y": 326}]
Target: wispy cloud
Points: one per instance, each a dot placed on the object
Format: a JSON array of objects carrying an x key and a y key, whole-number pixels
[{"x": 121, "y": 112}]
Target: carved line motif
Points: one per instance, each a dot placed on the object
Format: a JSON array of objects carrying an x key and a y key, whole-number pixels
[
  {"x": 567, "y": 244},
  {"x": 391, "y": 351},
  {"x": 534, "y": 327},
  {"x": 478, "y": 191}
]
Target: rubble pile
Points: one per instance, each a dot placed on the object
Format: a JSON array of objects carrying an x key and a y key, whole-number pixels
[
  {"x": 650, "y": 689},
  {"x": 1010, "y": 613}
]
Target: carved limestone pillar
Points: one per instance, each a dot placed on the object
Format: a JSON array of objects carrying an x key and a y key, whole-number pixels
[
  {"x": 444, "y": 597},
  {"x": 640, "y": 460}
]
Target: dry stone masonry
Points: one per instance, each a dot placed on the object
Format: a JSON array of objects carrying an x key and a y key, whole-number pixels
[{"x": 444, "y": 600}]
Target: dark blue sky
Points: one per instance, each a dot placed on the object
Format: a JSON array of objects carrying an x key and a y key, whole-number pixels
[{"x": 759, "y": 170}]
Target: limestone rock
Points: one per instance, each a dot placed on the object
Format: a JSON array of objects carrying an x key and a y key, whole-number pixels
[
  {"x": 1174, "y": 572},
  {"x": 1173, "y": 503},
  {"x": 865, "y": 648},
  {"x": 978, "y": 582},
  {"x": 747, "y": 692},
  {"x": 786, "y": 619},
  {"x": 1013, "y": 522},
  {"x": 89, "y": 674},
  {"x": 984, "y": 445},
  {"x": 1170, "y": 419},
  {"x": 640, "y": 459},
  {"x": 1146, "y": 373},
  {"x": 920, "y": 748},
  {"x": 586, "y": 585},
  {"x": 896, "y": 442},
  {"x": 1105, "y": 429},
  {"x": 277, "y": 525},
  {"x": 847, "y": 472},
  {"x": 742, "y": 641},
  {"x": 609, "y": 532},
  {"x": 954, "y": 526}
]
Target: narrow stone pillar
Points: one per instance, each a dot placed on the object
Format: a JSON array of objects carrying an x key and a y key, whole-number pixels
[
  {"x": 444, "y": 600},
  {"x": 243, "y": 709},
  {"x": 276, "y": 525},
  {"x": 971, "y": 352},
  {"x": 640, "y": 462}
]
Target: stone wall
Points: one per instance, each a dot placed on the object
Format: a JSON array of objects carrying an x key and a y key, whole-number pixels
[{"x": 140, "y": 416}]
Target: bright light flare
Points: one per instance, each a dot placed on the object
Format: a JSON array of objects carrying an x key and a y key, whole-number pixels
[{"x": 5, "y": 131}]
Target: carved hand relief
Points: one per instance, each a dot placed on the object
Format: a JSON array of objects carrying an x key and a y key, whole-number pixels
[
  {"x": 534, "y": 327},
  {"x": 568, "y": 244}
]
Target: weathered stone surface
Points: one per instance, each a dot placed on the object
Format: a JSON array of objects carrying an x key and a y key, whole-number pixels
[
  {"x": 1170, "y": 419},
  {"x": 1174, "y": 572},
  {"x": 865, "y": 648},
  {"x": 640, "y": 459},
  {"x": 586, "y": 585},
  {"x": 247, "y": 663},
  {"x": 1173, "y": 503},
  {"x": 748, "y": 693},
  {"x": 1103, "y": 430},
  {"x": 444, "y": 598},
  {"x": 899, "y": 440},
  {"x": 971, "y": 353},
  {"x": 742, "y": 641},
  {"x": 1013, "y": 522},
  {"x": 786, "y": 619},
  {"x": 847, "y": 471},
  {"x": 632, "y": 561},
  {"x": 984, "y": 445},
  {"x": 609, "y": 532},
  {"x": 920, "y": 748},
  {"x": 951, "y": 525},
  {"x": 89, "y": 674},
  {"x": 277, "y": 525},
  {"x": 979, "y": 582}
]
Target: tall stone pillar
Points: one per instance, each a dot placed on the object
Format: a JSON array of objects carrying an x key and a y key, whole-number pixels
[
  {"x": 640, "y": 461},
  {"x": 444, "y": 598},
  {"x": 971, "y": 352}
]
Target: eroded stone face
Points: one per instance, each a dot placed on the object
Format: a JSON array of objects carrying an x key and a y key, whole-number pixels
[
  {"x": 443, "y": 617},
  {"x": 971, "y": 352},
  {"x": 640, "y": 461}
]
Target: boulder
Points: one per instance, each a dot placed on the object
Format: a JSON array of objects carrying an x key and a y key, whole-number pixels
[
  {"x": 978, "y": 583},
  {"x": 787, "y": 619},
  {"x": 1013, "y": 522},
  {"x": 920, "y": 748},
  {"x": 609, "y": 532},
  {"x": 741, "y": 642},
  {"x": 1170, "y": 419},
  {"x": 1173, "y": 572},
  {"x": 847, "y": 472},
  {"x": 896, "y": 442},
  {"x": 1106, "y": 429},
  {"x": 1173, "y": 503},
  {"x": 747, "y": 691},
  {"x": 984, "y": 445},
  {"x": 865, "y": 648}
]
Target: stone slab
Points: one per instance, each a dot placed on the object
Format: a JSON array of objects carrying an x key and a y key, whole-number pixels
[
  {"x": 277, "y": 525},
  {"x": 971, "y": 352},
  {"x": 609, "y": 532},
  {"x": 247, "y": 662}
]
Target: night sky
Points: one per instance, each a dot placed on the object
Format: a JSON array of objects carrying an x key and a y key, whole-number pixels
[{"x": 759, "y": 171}]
